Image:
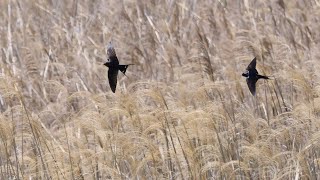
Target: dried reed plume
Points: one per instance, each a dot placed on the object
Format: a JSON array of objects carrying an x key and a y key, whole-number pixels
[{"x": 184, "y": 112}]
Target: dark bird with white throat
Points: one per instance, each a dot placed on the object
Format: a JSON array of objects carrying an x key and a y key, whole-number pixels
[
  {"x": 253, "y": 76},
  {"x": 114, "y": 67}
]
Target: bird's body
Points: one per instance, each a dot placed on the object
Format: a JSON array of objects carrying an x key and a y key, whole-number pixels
[
  {"x": 253, "y": 76},
  {"x": 114, "y": 67}
]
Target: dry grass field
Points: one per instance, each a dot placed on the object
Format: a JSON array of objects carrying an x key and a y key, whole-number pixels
[{"x": 183, "y": 112}]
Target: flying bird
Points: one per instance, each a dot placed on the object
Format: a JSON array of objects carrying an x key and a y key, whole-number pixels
[
  {"x": 114, "y": 67},
  {"x": 252, "y": 76}
]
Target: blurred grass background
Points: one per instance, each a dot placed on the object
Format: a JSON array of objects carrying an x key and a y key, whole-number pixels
[{"x": 183, "y": 112}]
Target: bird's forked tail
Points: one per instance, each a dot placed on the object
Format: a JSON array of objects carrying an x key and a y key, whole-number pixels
[
  {"x": 263, "y": 77},
  {"x": 123, "y": 68}
]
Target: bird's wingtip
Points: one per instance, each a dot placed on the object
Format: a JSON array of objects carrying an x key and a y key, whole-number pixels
[
  {"x": 109, "y": 46},
  {"x": 110, "y": 50}
]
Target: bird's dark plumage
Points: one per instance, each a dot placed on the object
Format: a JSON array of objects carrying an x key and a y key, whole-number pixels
[
  {"x": 114, "y": 67},
  {"x": 252, "y": 76},
  {"x": 112, "y": 76}
]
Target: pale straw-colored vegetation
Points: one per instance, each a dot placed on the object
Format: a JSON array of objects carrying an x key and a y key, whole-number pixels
[{"x": 183, "y": 112}]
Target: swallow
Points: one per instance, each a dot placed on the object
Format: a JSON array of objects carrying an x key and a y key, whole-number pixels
[
  {"x": 114, "y": 67},
  {"x": 253, "y": 76}
]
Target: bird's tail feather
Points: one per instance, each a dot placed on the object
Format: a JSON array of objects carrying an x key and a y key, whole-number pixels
[
  {"x": 123, "y": 68},
  {"x": 263, "y": 77}
]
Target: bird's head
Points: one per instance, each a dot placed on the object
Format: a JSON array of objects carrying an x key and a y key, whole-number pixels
[{"x": 246, "y": 74}]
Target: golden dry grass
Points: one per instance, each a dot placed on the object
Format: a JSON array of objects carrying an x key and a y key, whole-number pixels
[{"x": 183, "y": 112}]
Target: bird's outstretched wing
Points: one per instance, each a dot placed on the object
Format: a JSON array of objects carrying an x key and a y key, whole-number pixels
[
  {"x": 112, "y": 56},
  {"x": 252, "y": 85},
  {"x": 252, "y": 65},
  {"x": 112, "y": 76}
]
